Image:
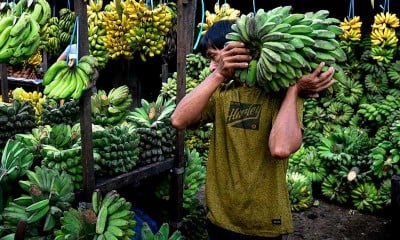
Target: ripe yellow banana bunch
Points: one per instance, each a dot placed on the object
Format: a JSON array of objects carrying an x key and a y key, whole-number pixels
[
  {"x": 383, "y": 20},
  {"x": 351, "y": 29},
  {"x": 116, "y": 26},
  {"x": 223, "y": 12},
  {"x": 148, "y": 27},
  {"x": 384, "y": 37},
  {"x": 97, "y": 32},
  {"x": 35, "y": 59}
]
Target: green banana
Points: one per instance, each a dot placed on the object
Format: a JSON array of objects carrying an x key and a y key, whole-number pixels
[
  {"x": 4, "y": 36},
  {"x": 53, "y": 71},
  {"x": 37, "y": 205},
  {"x": 252, "y": 73},
  {"x": 36, "y": 216},
  {"x": 101, "y": 220}
]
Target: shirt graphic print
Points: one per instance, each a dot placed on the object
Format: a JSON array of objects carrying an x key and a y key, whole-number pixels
[{"x": 242, "y": 115}]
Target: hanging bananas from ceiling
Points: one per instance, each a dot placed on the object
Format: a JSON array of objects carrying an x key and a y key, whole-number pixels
[
  {"x": 383, "y": 36},
  {"x": 223, "y": 12}
]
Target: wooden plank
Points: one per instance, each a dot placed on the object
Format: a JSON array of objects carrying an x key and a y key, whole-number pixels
[
  {"x": 133, "y": 177},
  {"x": 4, "y": 82}
]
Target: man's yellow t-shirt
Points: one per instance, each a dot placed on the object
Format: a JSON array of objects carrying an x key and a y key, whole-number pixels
[{"x": 245, "y": 187}]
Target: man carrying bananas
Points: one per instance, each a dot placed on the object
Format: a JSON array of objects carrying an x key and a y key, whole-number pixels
[{"x": 254, "y": 133}]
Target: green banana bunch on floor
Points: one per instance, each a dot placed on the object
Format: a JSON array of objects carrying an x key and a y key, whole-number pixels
[
  {"x": 366, "y": 197},
  {"x": 300, "y": 191},
  {"x": 63, "y": 82},
  {"x": 285, "y": 45},
  {"x": 19, "y": 40},
  {"x": 114, "y": 216},
  {"x": 16, "y": 159},
  {"x": 163, "y": 233},
  {"x": 97, "y": 32},
  {"x": 111, "y": 108}
]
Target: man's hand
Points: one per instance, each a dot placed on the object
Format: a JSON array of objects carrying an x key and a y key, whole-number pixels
[
  {"x": 233, "y": 56},
  {"x": 311, "y": 84}
]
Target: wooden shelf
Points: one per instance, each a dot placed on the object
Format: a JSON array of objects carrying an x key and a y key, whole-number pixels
[{"x": 133, "y": 177}]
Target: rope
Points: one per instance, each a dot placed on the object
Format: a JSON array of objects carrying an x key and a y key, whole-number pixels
[
  {"x": 201, "y": 25},
  {"x": 75, "y": 30},
  {"x": 385, "y": 6},
  {"x": 351, "y": 10}
]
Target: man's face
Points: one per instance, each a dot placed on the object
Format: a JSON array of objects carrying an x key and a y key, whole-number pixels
[{"x": 213, "y": 55}]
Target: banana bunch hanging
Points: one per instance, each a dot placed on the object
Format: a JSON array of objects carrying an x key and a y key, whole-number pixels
[
  {"x": 148, "y": 26},
  {"x": 50, "y": 36},
  {"x": 383, "y": 36},
  {"x": 223, "y": 12},
  {"x": 116, "y": 25},
  {"x": 97, "y": 32},
  {"x": 351, "y": 29}
]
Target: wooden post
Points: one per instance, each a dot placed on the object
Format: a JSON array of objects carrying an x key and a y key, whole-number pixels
[
  {"x": 4, "y": 82},
  {"x": 185, "y": 36},
  {"x": 85, "y": 106}
]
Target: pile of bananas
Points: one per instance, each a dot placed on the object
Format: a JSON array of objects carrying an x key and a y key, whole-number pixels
[
  {"x": 39, "y": 10},
  {"x": 17, "y": 117},
  {"x": 366, "y": 197},
  {"x": 19, "y": 40},
  {"x": 49, "y": 194},
  {"x": 97, "y": 32},
  {"x": 383, "y": 37},
  {"x": 117, "y": 24},
  {"x": 117, "y": 148},
  {"x": 393, "y": 73},
  {"x": 286, "y": 45},
  {"x": 16, "y": 159},
  {"x": 223, "y": 12},
  {"x": 112, "y": 108},
  {"x": 64, "y": 82},
  {"x": 171, "y": 36},
  {"x": 351, "y": 29},
  {"x": 35, "y": 98},
  {"x": 147, "y": 27},
  {"x": 154, "y": 128},
  {"x": 53, "y": 113}
]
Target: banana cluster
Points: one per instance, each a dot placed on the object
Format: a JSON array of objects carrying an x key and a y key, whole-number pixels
[
  {"x": 66, "y": 24},
  {"x": 383, "y": 37},
  {"x": 50, "y": 36},
  {"x": 39, "y": 10},
  {"x": 49, "y": 193},
  {"x": 351, "y": 29},
  {"x": 15, "y": 161},
  {"x": 117, "y": 148},
  {"x": 97, "y": 32},
  {"x": 53, "y": 113},
  {"x": 286, "y": 45},
  {"x": 112, "y": 108},
  {"x": 223, "y": 12},
  {"x": 366, "y": 197},
  {"x": 117, "y": 25},
  {"x": 147, "y": 27},
  {"x": 36, "y": 59},
  {"x": 17, "y": 117},
  {"x": 64, "y": 82},
  {"x": 300, "y": 191},
  {"x": 35, "y": 98},
  {"x": 114, "y": 216},
  {"x": 19, "y": 40}
]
